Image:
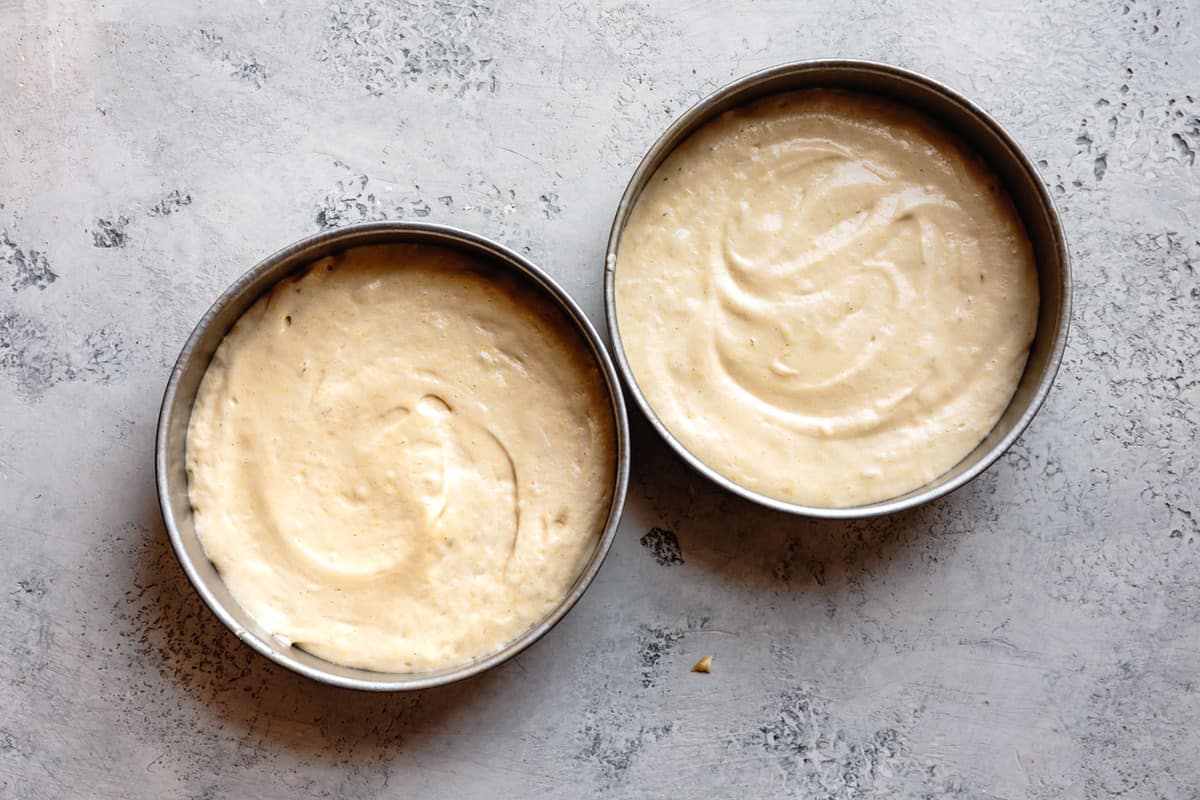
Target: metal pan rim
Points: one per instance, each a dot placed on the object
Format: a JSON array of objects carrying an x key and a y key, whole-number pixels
[
  {"x": 838, "y": 73},
  {"x": 176, "y": 409}
]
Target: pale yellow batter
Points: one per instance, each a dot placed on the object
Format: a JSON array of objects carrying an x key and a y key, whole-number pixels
[
  {"x": 825, "y": 299},
  {"x": 400, "y": 460}
]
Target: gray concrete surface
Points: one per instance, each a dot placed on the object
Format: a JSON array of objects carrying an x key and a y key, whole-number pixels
[{"x": 1036, "y": 635}]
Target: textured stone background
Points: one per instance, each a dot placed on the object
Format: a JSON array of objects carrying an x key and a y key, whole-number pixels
[{"x": 1035, "y": 635}]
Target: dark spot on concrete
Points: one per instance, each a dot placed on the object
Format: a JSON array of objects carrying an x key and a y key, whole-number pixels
[
  {"x": 664, "y": 546},
  {"x": 785, "y": 568},
  {"x": 244, "y": 66},
  {"x": 1100, "y": 166},
  {"x": 550, "y": 206},
  {"x": 251, "y": 70},
  {"x": 383, "y": 47},
  {"x": 348, "y": 203},
  {"x": 170, "y": 203},
  {"x": 209, "y": 40},
  {"x": 29, "y": 356},
  {"x": 1185, "y": 151},
  {"x": 29, "y": 268},
  {"x": 13, "y": 747},
  {"x": 614, "y": 753},
  {"x": 326, "y": 220},
  {"x": 825, "y": 757},
  {"x": 34, "y": 587},
  {"x": 446, "y": 200},
  {"x": 1183, "y": 518},
  {"x": 108, "y": 233},
  {"x": 352, "y": 201},
  {"x": 34, "y": 360},
  {"x": 654, "y": 643},
  {"x": 104, "y": 354}
]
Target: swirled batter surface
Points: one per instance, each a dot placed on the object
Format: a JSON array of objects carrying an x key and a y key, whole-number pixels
[
  {"x": 825, "y": 299},
  {"x": 401, "y": 459}
]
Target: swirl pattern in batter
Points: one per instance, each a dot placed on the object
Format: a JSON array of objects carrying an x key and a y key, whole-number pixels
[
  {"x": 400, "y": 460},
  {"x": 825, "y": 298}
]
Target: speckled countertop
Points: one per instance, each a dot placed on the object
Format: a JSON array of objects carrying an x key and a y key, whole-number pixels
[{"x": 1036, "y": 634}]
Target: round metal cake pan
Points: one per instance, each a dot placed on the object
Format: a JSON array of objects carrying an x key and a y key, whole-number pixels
[
  {"x": 170, "y": 450},
  {"x": 983, "y": 136}
]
